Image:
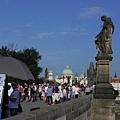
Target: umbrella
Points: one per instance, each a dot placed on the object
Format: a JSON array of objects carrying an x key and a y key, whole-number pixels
[{"x": 15, "y": 68}]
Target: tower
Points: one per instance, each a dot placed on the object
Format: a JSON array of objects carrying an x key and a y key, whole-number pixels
[
  {"x": 50, "y": 75},
  {"x": 91, "y": 74}
]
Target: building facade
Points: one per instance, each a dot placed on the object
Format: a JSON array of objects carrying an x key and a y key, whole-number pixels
[{"x": 115, "y": 81}]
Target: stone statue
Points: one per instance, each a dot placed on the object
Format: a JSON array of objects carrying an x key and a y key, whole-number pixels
[
  {"x": 46, "y": 73},
  {"x": 104, "y": 38}
]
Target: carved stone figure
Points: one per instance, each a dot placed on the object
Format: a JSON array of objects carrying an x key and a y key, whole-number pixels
[
  {"x": 104, "y": 38},
  {"x": 46, "y": 73}
]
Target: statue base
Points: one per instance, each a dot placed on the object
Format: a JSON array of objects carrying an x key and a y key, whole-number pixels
[
  {"x": 103, "y": 88},
  {"x": 104, "y": 91}
]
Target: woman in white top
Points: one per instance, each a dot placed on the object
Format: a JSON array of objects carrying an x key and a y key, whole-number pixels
[
  {"x": 40, "y": 91},
  {"x": 64, "y": 93},
  {"x": 76, "y": 91}
]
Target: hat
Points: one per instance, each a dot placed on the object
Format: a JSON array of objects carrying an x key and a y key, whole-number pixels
[{"x": 9, "y": 84}]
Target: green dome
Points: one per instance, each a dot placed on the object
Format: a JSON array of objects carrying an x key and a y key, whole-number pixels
[
  {"x": 81, "y": 76},
  {"x": 50, "y": 71},
  {"x": 67, "y": 71}
]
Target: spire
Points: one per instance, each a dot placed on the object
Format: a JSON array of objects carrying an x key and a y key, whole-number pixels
[
  {"x": 115, "y": 75},
  {"x": 91, "y": 67},
  {"x": 76, "y": 75}
]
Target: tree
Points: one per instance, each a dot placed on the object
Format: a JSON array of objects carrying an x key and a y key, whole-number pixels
[
  {"x": 4, "y": 51},
  {"x": 30, "y": 56}
]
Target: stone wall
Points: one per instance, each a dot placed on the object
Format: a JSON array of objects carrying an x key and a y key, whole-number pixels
[
  {"x": 117, "y": 116},
  {"x": 77, "y": 109}
]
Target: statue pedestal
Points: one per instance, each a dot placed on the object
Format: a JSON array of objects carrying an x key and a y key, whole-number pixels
[
  {"x": 103, "y": 103},
  {"x": 104, "y": 91},
  {"x": 103, "y": 87}
]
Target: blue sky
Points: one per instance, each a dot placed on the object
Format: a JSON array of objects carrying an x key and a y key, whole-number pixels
[{"x": 63, "y": 31}]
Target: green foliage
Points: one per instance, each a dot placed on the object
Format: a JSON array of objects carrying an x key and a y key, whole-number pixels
[
  {"x": 30, "y": 56},
  {"x": 54, "y": 82}
]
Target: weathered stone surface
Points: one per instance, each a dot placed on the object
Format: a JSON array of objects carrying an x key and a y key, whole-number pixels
[
  {"x": 103, "y": 109},
  {"x": 117, "y": 116}
]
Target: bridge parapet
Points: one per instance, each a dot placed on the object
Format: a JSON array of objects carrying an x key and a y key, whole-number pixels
[{"x": 77, "y": 109}]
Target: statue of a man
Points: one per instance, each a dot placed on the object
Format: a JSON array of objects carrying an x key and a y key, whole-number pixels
[
  {"x": 46, "y": 73},
  {"x": 104, "y": 38}
]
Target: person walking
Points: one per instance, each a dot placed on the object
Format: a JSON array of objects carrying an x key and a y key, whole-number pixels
[
  {"x": 26, "y": 91},
  {"x": 40, "y": 91},
  {"x": 49, "y": 95},
  {"x": 56, "y": 94},
  {"x": 76, "y": 91},
  {"x": 87, "y": 90}
]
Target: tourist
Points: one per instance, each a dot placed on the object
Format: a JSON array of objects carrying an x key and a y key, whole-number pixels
[
  {"x": 10, "y": 89},
  {"x": 32, "y": 93},
  {"x": 26, "y": 91},
  {"x": 60, "y": 91},
  {"x": 49, "y": 95},
  {"x": 43, "y": 93},
  {"x": 29, "y": 92},
  {"x": 56, "y": 94},
  {"x": 39, "y": 89},
  {"x": 73, "y": 91},
  {"x": 87, "y": 90},
  {"x": 46, "y": 87},
  {"x": 35, "y": 91},
  {"x": 64, "y": 93},
  {"x": 14, "y": 99},
  {"x": 76, "y": 91}
]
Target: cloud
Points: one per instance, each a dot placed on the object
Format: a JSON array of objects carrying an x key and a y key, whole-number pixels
[
  {"x": 92, "y": 11},
  {"x": 66, "y": 33},
  {"x": 10, "y": 31},
  {"x": 25, "y": 25},
  {"x": 84, "y": 34},
  {"x": 44, "y": 34},
  {"x": 74, "y": 33}
]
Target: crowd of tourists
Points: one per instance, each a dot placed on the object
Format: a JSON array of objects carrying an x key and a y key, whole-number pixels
[
  {"x": 53, "y": 93},
  {"x": 46, "y": 92}
]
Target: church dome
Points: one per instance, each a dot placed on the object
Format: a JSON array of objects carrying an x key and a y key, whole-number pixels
[
  {"x": 50, "y": 71},
  {"x": 67, "y": 71},
  {"x": 81, "y": 76}
]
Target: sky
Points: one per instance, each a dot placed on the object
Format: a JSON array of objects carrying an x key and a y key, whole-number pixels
[{"x": 63, "y": 31}]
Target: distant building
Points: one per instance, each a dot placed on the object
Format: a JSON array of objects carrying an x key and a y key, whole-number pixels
[
  {"x": 50, "y": 75},
  {"x": 67, "y": 75},
  {"x": 83, "y": 79},
  {"x": 115, "y": 81},
  {"x": 91, "y": 74},
  {"x": 76, "y": 79},
  {"x": 56, "y": 76}
]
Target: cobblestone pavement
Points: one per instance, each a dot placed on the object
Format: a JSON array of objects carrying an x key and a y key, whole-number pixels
[{"x": 28, "y": 105}]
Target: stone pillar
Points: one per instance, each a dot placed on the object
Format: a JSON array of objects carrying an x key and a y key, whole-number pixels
[
  {"x": 104, "y": 98},
  {"x": 103, "y": 87}
]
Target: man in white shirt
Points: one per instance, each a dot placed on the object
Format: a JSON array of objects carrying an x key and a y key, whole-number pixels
[{"x": 10, "y": 89}]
